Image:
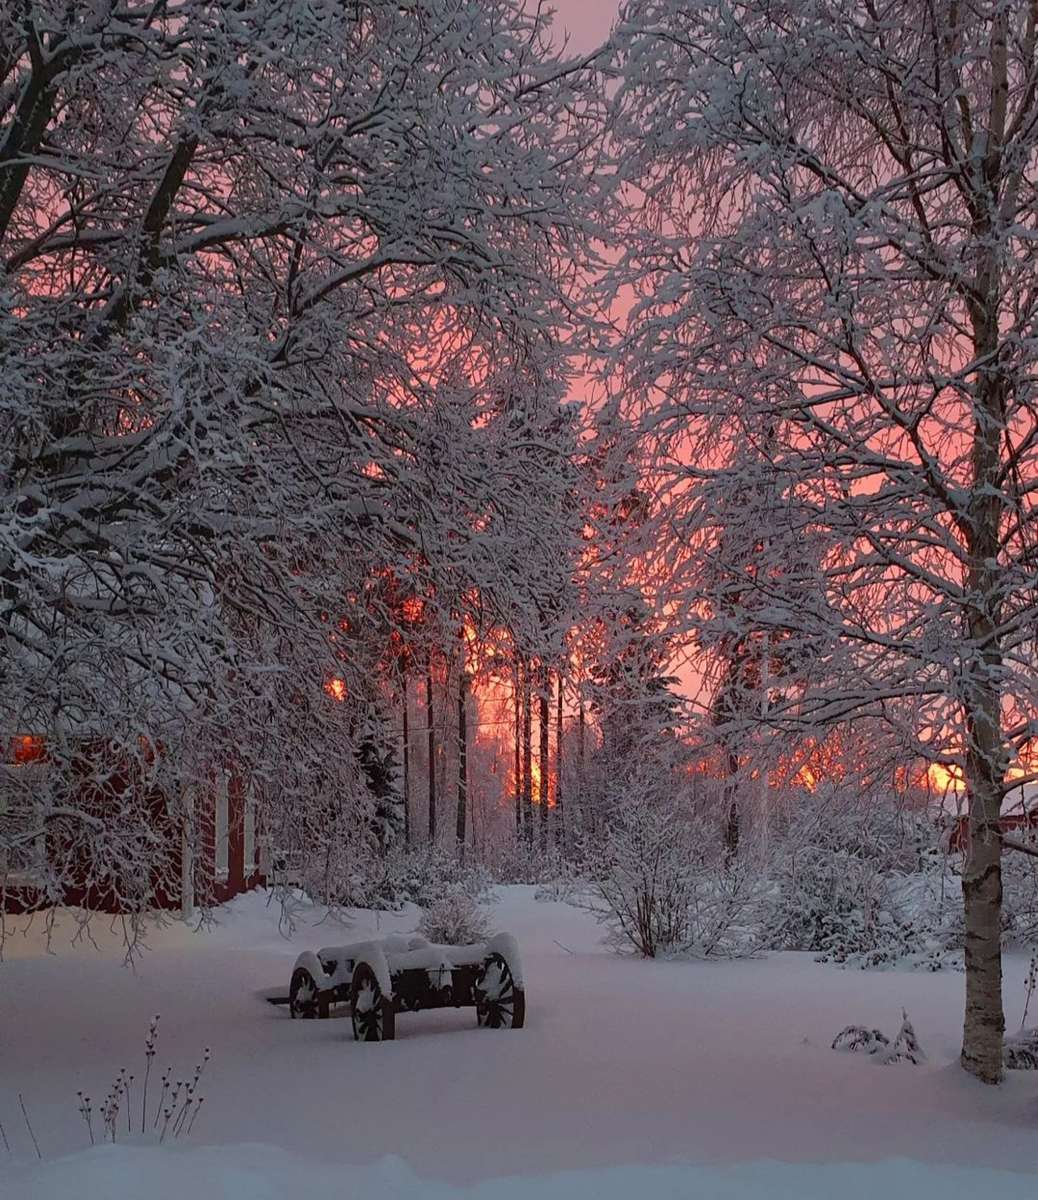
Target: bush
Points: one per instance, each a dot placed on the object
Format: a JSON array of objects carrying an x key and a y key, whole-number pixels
[
  {"x": 640, "y": 879},
  {"x": 657, "y": 880},
  {"x": 456, "y": 919},
  {"x": 905, "y": 1048},
  {"x": 1021, "y": 1051},
  {"x": 388, "y": 881},
  {"x": 1020, "y": 894},
  {"x": 516, "y": 861},
  {"x": 861, "y": 887}
]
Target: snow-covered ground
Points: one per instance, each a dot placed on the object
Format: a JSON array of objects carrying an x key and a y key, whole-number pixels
[{"x": 652, "y": 1078}]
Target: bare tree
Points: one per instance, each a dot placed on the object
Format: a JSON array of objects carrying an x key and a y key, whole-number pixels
[{"x": 832, "y": 238}]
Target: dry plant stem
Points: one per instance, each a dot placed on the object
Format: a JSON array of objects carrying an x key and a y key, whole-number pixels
[
  {"x": 161, "y": 1099},
  {"x": 144, "y": 1098},
  {"x": 1030, "y": 984},
  {"x": 191, "y": 1123},
  {"x": 149, "y": 1054},
  {"x": 28, "y": 1126},
  {"x": 178, "y": 1122}
]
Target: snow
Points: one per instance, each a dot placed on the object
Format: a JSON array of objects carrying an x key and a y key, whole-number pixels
[
  {"x": 508, "y": 947},
  {"x": 665, "y": 1078},
  {"x": 399, "y": 953},
  {"x": 258, "y": 1172}
]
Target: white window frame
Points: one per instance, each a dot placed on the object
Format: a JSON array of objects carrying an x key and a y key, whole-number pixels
[
  {"x": 249, "y": 833},
  {"x": 222, "y": 827}
]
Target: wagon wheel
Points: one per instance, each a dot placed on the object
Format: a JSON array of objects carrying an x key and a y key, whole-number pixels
[
  {"x": 500, "y": 1003},
  {"x": 373, "y": 1017},
  {"x": 303, "y": 999}
]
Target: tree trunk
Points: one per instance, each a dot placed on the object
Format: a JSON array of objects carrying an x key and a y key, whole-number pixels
[
  {"x": 986, "y": 753},
  {"x": 518, "y": 765},
  {"x": 732, "y": 827},
  {"x": 432, "y": 748},
  {"x": 32, "y": 117},
  {"x": 527, "y": 760},
  {"x": 407, "y": 768},
  {"x": 463, "y": 747},
  {"x": 986, "y": 761},
  {"x": 560, "y": 821},
  {"x": 585, "y": 816},
  {"x": 545, "y": 762},
  {"x": 984, "y": 1025}
]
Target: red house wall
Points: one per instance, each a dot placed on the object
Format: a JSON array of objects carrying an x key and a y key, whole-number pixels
[{"x": 164, "y": 890}]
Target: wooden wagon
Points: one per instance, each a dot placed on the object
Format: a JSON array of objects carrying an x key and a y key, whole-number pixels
[{"x": 379, "y": 979}]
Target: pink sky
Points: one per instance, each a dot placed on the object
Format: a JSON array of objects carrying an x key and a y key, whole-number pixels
[{"x": 588, "y": 21}]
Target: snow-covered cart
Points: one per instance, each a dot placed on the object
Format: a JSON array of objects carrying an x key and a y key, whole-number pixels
[{"x": 379, "y": 979}]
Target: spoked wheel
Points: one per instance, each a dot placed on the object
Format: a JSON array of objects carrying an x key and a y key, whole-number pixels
[
  {"x": 373, "y": 1017},
  {"x": 303, "y": 1000},
  {"x": 500, "y": 1003}
]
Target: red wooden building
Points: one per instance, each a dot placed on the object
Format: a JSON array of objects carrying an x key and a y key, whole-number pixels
[
  {"x": 212, "y": 852},
  {"x": 1019, "y": 818}
]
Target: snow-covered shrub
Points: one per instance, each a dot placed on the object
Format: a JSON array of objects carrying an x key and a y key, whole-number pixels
[
  {"x": 857, "y": 1038},
  {"x": 874, "y": 1042},
  {"x": 729, "y": 902},
  {"x": 402, "y": 876},
  {"x": 656, "y": 877},
  {"x": 906, "y": 1046},
  {"x": 1021, "y": 1051},
  {"x": 1021, "y": 1048},
  {"x": 640, "y": 878},
  {"x": 836, "y": 904},
  {"x": 1020, "y": 893},
  {"x": 455, "y": 919},
  {"x": 865, "y": 886},
  {"x": 561, "y": 879},
  {"x": 515, "y": 860}
]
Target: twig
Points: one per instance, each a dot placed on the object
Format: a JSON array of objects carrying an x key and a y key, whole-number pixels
[
  {"x": 7, "y": 1144},
  {"x": 29, "y": 1127},
  {"x": 1011, "y": 844},
  {"x": 562, "y": 947}
]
